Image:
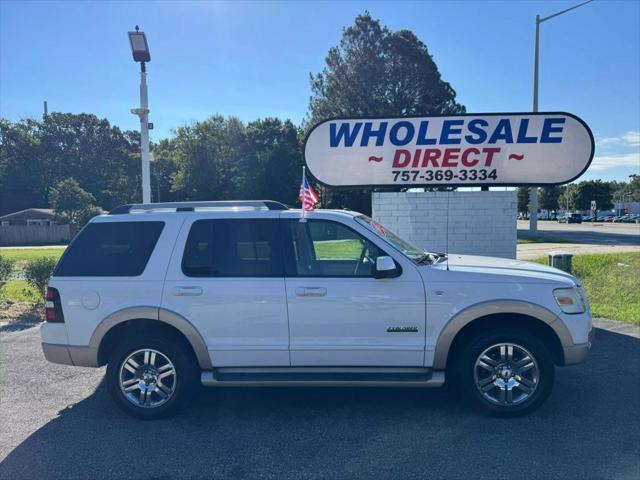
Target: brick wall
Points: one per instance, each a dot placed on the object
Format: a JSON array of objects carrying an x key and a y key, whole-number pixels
[{"x": 480, "y": 223}]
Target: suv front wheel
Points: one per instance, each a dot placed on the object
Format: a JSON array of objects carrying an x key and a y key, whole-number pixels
[
  {"x": 508, "y": 372},
  {"x": 150, "y": 378}
]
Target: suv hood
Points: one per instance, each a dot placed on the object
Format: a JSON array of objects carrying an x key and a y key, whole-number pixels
[{"x": 507, "y": 267}]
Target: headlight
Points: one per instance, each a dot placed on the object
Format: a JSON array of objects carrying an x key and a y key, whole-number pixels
[{"x": 569, "y": 300}]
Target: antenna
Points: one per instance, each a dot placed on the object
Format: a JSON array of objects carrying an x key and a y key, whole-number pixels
[{"x": 446, "y": 252}]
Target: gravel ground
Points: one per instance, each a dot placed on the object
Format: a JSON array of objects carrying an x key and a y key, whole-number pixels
[
  {"x": 57, "y": 422},
  {"x": 18, "y": 313}
]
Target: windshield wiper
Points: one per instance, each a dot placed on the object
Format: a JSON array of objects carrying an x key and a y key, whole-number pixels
[
  {"x": 430, "y": 257},
  {"x": 424, "y": 258}
]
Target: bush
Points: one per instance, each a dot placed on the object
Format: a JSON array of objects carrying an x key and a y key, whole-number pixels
[
  {"x": 38, "y": 271},
  {"x": 6, "y": 267}
]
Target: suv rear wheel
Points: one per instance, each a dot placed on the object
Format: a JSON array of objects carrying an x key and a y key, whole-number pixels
[
  {"x": 150, "y": 378},
  {"x": 508, "y": 372}
]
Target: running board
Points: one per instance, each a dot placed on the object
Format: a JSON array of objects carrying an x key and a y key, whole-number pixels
[{"x": 322, "y": 377}]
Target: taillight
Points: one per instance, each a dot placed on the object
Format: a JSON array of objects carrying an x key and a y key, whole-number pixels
[{"x": 53, "y": 307}]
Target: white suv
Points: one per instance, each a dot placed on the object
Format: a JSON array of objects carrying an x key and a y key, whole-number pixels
[{"x": 250, "y": 294}]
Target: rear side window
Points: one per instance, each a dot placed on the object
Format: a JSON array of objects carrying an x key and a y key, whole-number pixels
[
  {"x": 114, "y": 249},
  {"x": 233, "y": 248}
]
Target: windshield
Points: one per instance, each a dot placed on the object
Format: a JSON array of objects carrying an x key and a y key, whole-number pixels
[{"x": 414, "y": 253}]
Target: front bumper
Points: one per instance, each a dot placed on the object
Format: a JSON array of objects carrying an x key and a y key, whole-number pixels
[{"x": 578, "y": 353}]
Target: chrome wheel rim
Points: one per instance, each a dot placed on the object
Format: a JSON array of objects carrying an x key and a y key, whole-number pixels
[
  {"x": 506, "y": 374},
  {"x": 147, "y": 378}
]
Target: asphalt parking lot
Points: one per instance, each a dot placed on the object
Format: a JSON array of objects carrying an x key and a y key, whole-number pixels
[
  {"x": 586, "y": 232},
  {"x": 57, "y": 422}
]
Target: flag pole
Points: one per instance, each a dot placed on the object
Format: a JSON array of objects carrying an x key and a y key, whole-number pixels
[{"x": 304, "y": 211}]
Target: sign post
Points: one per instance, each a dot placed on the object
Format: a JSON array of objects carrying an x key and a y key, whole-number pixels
[{"x": 495, "y": 149}]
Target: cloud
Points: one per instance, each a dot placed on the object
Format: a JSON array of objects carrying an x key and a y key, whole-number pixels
[
  {"x": 605, "y": 162},
  {"x": 629, "y": 139}
]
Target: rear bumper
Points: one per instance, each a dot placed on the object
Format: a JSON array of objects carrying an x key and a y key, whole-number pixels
[
  {"x": 578, "y": 353},
  {"x": 70, "y": 355}
]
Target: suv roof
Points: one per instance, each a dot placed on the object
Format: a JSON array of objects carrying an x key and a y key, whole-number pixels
[
  {"x": 167, "y": 210},
  {"x": 192, "y": 206}
]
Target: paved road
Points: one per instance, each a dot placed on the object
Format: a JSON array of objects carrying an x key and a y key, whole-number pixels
[
  {"x": 58, "y": 423},
  {"x": 596, "y": 233},
  {"x": 531, "y": 251}
]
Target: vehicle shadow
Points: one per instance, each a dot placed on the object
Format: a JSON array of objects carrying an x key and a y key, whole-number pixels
[{"x": 587, "y": 429}]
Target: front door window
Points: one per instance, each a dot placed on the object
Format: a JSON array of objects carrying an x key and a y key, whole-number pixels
[{"x": 329, "y": 249}]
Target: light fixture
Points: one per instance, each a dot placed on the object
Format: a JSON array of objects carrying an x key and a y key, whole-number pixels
[{"x": 139, "y": 46}]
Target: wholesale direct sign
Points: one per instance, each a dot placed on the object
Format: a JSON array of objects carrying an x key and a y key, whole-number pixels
[{"x": 460, "y": 150}]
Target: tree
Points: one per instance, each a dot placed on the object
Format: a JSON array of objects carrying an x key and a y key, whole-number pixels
[
  {"x": 36, "y": 154},
  {"x": 377, "y": 72},
  {"x": 21, "y": 185},
  {"x": 38, "y": 271},
  {"x": 523, "y": 199},
  {"x": 566, "y": 200},
  {"x": 71, "y": 203},
  {"x": 549, "y": 197},
  {"x": 274, "y": 161},
  {"x": 629, "y": 191},
  {"x": 6, "y": 267},
  {"x": 163, "y": 170},
  {"x": 210, "y": 158},
  {"x": 634, "y": 187},
  {"x": 222, "y": 158},
  {"x": 590, "y": 190}
]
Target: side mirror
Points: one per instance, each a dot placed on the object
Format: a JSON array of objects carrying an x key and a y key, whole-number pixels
[{"x": 385, "y": 268}]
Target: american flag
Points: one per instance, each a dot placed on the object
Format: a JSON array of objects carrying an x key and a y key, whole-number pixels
[{"x": 308, "y": 197}]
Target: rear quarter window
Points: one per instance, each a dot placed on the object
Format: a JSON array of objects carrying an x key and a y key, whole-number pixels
[{"x": 114, "y": 249}]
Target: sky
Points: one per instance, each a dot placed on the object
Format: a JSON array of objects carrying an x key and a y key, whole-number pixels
[{"x": 253, "y": 60}]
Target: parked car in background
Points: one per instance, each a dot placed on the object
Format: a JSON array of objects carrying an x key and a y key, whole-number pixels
[
  {"x": 570, "y": 218},
  {"x": 252, "y": 293},
  {"x": 628, "y": 218}
]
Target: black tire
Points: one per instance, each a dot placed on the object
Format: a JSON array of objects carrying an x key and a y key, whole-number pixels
[
  {"x": 464, "y": 377},
  {"x": 185, "y": 378}
]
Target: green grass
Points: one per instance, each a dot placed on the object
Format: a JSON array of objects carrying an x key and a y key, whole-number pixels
[
  {"x": 19, "y": 291},
  {"x": 542, "y": 240},
  {"x": 22, "y": 255},
  {"x": 26, "y": 254},
  {"x": 612, "y": 281},
  {"x": 337, "y": 249}
]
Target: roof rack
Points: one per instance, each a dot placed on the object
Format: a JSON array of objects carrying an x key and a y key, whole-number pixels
[{"x": 192, "y": 206}]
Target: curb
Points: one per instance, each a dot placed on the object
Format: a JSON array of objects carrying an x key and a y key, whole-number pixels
[{"x": 617, "y": 327}]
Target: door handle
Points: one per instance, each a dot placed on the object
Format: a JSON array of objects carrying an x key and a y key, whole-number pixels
[
  {"x": 187, "y": 291},
  {"x": 311, "y": 291}
]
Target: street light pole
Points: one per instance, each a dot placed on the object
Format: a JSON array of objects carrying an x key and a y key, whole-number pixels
[
  {"x": 140, "y": 51},
  {"x": 533, "y": 195},
  {"x": 144, "y": 135}
]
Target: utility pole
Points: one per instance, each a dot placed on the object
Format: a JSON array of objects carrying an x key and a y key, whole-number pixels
[{"x": 533, "y": 196}]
